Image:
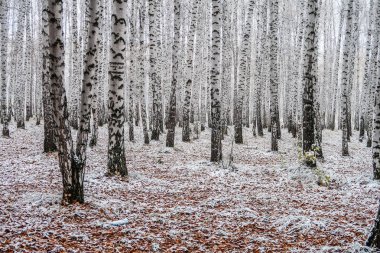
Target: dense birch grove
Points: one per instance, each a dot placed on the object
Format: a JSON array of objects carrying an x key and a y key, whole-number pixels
[{"x": 236, "y": 68}]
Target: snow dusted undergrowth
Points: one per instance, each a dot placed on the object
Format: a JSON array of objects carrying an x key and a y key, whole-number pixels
[{"x": 175, "y": 200}]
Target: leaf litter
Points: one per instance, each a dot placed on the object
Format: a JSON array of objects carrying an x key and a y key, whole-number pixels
[{"x": 175, "y": 200}]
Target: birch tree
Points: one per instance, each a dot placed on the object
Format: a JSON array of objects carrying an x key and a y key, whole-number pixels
[
  {"x": 88, "y": 89},
  {"x": 216, "y": 143},
  {"x": 99, "y": 70},
  {"x": 243, "y": 68},
  {"x": 367, "y": 68},
  {"x": 345, "y": 77},
  {"x": 49, "y": 123},
  {"x": 116, "y": 119},
  {"x": 376, "y": 112},
  {"x": 4, "y": 51},
  {"x": 337, "y": 65},
  {"x": 309, "y": 76},
  {"x": 142, "y": 73},
  {"x": 372, "y": 80},
  {"x": 59, "y": 101},
  {"x": 173, "y": 96},
  {"x": 20, "y": 69},
  {"x": 273, "y": 26},
  {"x": 131, "y": 71},
  {"x": 154, "y": 77},
  {"x": 374, "y": 237},
  {"x": 75, "y": 84},
  {"x": 189, "y": 73}
]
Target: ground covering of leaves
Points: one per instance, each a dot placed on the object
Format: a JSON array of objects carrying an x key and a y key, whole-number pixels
[{"x": 175, "y": 200}]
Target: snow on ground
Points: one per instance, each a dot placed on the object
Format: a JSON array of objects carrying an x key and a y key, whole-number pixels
[{"x": 175, "y": 200}]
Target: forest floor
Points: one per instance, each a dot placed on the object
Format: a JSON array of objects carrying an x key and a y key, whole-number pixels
[{"x": 175, "y": 200}]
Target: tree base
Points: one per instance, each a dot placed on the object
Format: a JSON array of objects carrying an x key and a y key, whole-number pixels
[
  {"x": 374, "y": 238},
  {"x": 6, "y": 132}
]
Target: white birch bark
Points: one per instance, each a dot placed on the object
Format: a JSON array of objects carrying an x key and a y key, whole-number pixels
[
  {"x": 310, "y": 75},
  {"x": 173, "y": 97},
  {"x": 345, "y": 77},
  {"x": 116, "y": 118},
  {"x": 243, "y": 66},
  {"x": 58, "y": 97},
  {"x": 189, "y": 72},
  {"x": 273, "y": 25},
  {"x": 4, "y": 50},
  {"x": 142, "y": 73},
  {"x": 376, "y": 110},
  {"x": 216, "y": 143}
]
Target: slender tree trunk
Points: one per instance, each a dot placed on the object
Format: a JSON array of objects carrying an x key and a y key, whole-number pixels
[
  {"x": 97, "y": 97},
  {"x": 88, "y": 88},
  {"x": 345, "y": 78},
  {"x": 376, "y": 113},
  {"x": 261, "y": 68},
  {"x": 19, "y": 103},
  {"x": 365, "y": 95},
  {"x": 337, "y": 68},
  {"x": 243, "y": 68},
  {"x": 28, "y": 68},
  {"x": 374, "y": 237},
  {"x": 132, "y": 68},
  {"x": 116, "y": 151},
  {"x": 4, "y": 49},
  {"x": 189, "y": 73},
  {"x": 49, "y": 123},
  {"x": 372, "y": 81},
  {"x": 59, "y": 101},
  {"x": 361, "y": 129},
  {"x": 75, "y": 85},
  {"x": 273, "y": 24},
  {"x": 142, "y": 74},
  {"x": 173, "y": 96},
  {"x": 310, "y": 76},
  {"x": 154, "y": 76},
  {"x": 216, "y": 143}
]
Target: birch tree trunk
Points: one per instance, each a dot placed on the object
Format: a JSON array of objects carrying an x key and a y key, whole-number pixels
[
  {"x": 88, "y": 88},
  {"x": 142, "y": 74},
  {"x": 131, "y": 76},
  {"x": 376, "y": 114},
  {"x": 295, "y": 119},
  {"x": 28, "y": 67},
  {"x": 3, "y": 66},
  {"x": 153, "y": 72},
  {"x": 49, "y": 123},
  {"x": 189, "y": 73},
  {"x": 99, "y": 72},
  {"x": 367, "y": 68},
  {"x": 116, "y": 119},
  {"x": 243, "y": 68},
  {"x": 59, "y": 101},
  {"x": 261, "y": 67},
  {"x": 173, "y": 101},
  {"x": 20, "y": 68},
  {"x": 345, "y": 77},
  {"x": 160, "y": 59},
  {"x": 352, "y": 53},
  {"x": 372, "y": 81},
  {"x": 273, "y": 25},
  {"x": 374, "y": 237},
  {"x": 337, "y": 65},
  {"x": 75, "y": 85},
  {"x": 226, "y": 66},
  {"x": 309, "y": 76},
  {"x": 216, "y": 143}
]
